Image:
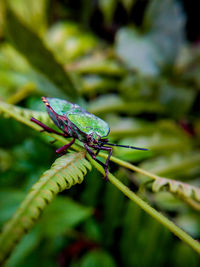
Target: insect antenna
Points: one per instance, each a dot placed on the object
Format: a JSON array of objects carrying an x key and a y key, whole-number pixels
[{"x": 132, "y": 147}]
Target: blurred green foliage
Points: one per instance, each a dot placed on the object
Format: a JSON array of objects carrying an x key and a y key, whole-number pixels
[{"x": 144, "y": 81}]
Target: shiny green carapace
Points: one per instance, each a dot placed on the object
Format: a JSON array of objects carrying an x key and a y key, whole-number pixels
[
  {"x": 76, "y": 122},
  {"x": 83, "y": 121}
]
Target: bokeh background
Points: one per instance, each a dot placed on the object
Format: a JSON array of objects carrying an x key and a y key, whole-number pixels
[{"x": 134, "y": 63}]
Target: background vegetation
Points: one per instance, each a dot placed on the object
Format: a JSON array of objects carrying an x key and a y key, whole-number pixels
[{"x": 133, "y": 63}]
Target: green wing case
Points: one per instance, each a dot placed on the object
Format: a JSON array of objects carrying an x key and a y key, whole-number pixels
[
  {"x": 59, "y": 106},
  {"x": 83, "y": 120},
  {"x": 89, "y": 123}
]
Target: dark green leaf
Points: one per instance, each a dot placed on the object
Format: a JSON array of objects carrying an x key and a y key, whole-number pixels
[
  {"x": 69, "y": 41},
  {"x": 97, "y": 258},
  {"x": 165, "y": 21},
  {"x": 31, "y": 46},
  {"x": 65, "y": 214},
  {"x": 108, "y": 9}
]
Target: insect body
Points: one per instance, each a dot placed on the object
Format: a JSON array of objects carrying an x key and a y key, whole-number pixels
[{"x": 76, "y": 122}]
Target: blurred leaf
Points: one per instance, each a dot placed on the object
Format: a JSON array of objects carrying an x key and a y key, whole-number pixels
[
  {"x": 165, "y": 21},
  {"x": 26, "y": 247},
  {"x": 108, "y": 9},
  {"x": 97, "y": 64},
  {"x": 189, "y": 223},
  {"x": 160, "y": 45},
  {"x": 64, "y": 214},
  {"x": 58, "y": 218},
  {"x": 9, "y": 201},
  {"x": 92, "y": 230},
  {"x": 92, "y": 190},
  {"x": 176, "y": 99},
  {"x": 113, "y": 103},
  {"x": 27, "y": 160},
  {"x": 5, "y": 160},
  {"x": 137, "y": 86},
  {"x": 113, "y": 206},
  {"x": 93, "y": 84},
  {"x": 25, "y": 41},
  {"x": 156, "y": 143},
  {"x": 137, "y": 52},
  {"x": 16, "y": 73},
  {"x": 96, "y": 258},
  {"x": 10, "y": 82},
  {"x": 131, "y": 228},
  {"x": 188, "y": 64},
  {"x": 68, "y": 41},
  {"x": 9, "y": 127},
  {"x": 168, "y": 202},
  {"x": 175, "y": 165},
  {"x": 12, "y": 60},
  {"x": 22, "y": 93},
  {"x": 128, "y": 4},
  {"x": 32, "y": 12},
  {"x": 134, "y": 239},
  {"x": 183, "y": 256},
  {"x": 121, "y": 128}
]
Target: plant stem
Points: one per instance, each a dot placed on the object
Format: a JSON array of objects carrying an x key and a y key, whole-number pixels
[
  {"x": 151, "y": 211},
  {"x": 130, "y": 166},
  {"x": 195, "y": 205}
]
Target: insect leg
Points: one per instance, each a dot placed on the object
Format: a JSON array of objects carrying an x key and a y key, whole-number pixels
[
  {"x": 98, "y": 150},
  {"x": 94, "y": 156},
  {"x": 65, "y": 147},
  {"x": 46, "y": 128},
  {"x": 108, "y": 158}
]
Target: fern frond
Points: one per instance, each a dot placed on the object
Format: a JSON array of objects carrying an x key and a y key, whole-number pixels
[
  {"x": 176, "y": 187},
  {"x": 65, "y": 172},
  {"x": 22, "y": 114},
  {"x": 186, "y": 191}
]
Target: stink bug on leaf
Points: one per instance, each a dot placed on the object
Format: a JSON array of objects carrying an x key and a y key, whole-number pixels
[{"x": 76, "y": 122}]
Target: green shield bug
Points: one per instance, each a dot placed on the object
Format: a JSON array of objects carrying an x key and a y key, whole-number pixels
[{"x": 76, "y": 122}]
